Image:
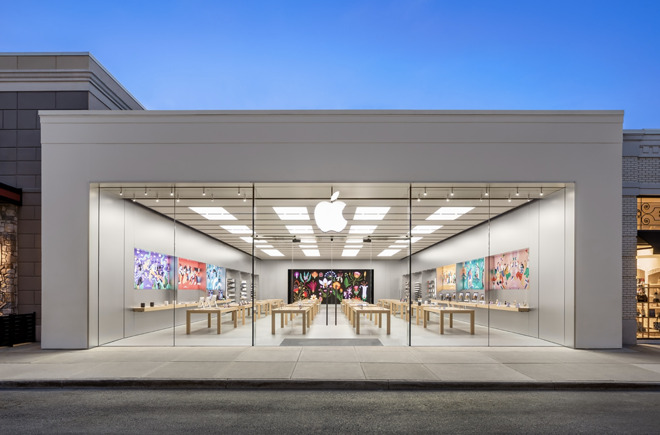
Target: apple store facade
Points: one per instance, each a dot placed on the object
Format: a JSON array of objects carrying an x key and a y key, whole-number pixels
[{"x": 383, "y": 228}]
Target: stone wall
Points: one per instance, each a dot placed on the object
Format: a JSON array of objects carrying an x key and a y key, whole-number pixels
[{"x": 8, "y": 258}]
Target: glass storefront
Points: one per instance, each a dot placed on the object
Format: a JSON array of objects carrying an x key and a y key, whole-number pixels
[
  {"x": 648, "y": 268},
  {"x": 383, "y": 264}
]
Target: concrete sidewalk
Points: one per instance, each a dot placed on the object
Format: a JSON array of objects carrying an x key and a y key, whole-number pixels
[{"x": 322, "y": 367}]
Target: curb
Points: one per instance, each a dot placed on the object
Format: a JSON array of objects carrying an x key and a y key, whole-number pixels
[{"x": 361, "y": 385}]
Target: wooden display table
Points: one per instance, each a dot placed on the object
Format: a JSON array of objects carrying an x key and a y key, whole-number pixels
[
  {"x": 164, "y": 307},
  {"x": 306, "y": 311},
  {"x": 209, "y": 312},
  {"x": 396, "y": 307},
  {"x": 451, "y": 311},
  {"x": 371, "y": 309}
]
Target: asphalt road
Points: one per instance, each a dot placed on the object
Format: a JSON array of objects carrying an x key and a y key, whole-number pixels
[{"x": 305, "y": 412}]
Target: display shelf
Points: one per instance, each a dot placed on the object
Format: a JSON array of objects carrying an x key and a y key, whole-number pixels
[
  {"x": 164, "y": 307},
  {"x": 648, "y": 319},
  {"x": 430, "y": 289},
  {"x": 231, "y": 288},
  {"x": 244, "y": 290},
  {"x": 482, "y": 306},
  {"x": 418, "y": 290}
]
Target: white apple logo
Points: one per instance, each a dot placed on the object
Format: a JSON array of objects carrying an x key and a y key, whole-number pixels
[{"x": 328, "y": 215}]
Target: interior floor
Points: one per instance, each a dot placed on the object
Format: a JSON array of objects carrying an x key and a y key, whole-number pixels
[{"x": 342, "y": 333}]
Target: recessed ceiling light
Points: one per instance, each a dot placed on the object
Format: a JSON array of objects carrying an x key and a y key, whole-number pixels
[
  {"x": 292, "y": 213},
  {"x": 370, "y": 213},
  {"x": 350, "y": 252},
  {"x": 273, "y": 252},
  {"x": 237, "y": 229},
  {"x": 311, "y": 240},
  {"x": 412, "y": 240},
  {"x": 354, "y": 240},
  {"x": 389, "y": 252},
  {"x": 300, "y": 229},
  {"x": 425, "y": 229},
  {"x": 214, "y": 213},
  {"x": 308, "y": 247},
  {"x": 262, "y": 247},
  {"x": 448, "y": 213},
  {"x": 247, "y": 239},
  {"x": 362, "y": 229},
  {"x": 353, "y": 246},
  {"x": 311, "y": 253}
]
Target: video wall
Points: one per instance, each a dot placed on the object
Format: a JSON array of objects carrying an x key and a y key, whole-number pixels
[
  {"x": 155, "y": 271},
  {"x": 331, "y": 285},
  {"x": 506, "y": 271}
]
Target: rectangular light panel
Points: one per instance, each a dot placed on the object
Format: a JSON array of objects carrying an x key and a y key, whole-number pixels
[
  {"x": 425, "y": 229},
  {"x": 388, "y": 252},
  {"x": 273, "y": 252},
  {"x": 370, "y": 213},
  {"x": 292, "y": 213},
  {"x": 311, "y": 253},
  {"x": 350, "y": 252},
  {"x": 448, "y": 213},
  {"x": 412, "y": 240},
  {"x": 214, "y": 213},
  {"x": 300, "y": 229},
  {"x": 237, "y": 229},
  {"x": 362, "y": 229}
]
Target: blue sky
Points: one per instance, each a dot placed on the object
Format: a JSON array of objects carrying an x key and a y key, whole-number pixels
[{"x": 376, "y": 54}]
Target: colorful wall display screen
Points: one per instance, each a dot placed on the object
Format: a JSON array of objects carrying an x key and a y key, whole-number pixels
[
  {"x": 446, "y": 277},
  {"x": 470, "y": 275},
  {"x": 192, "y": 275},
  {"x": 334, "y": 285},
  {"x": 152, "y": 270},
  {"x": 215, "y": 280},
  {"x": 509, "y": 270}
]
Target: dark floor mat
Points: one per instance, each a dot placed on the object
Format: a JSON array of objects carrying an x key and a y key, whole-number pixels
[{"x": 331, "y": 342}]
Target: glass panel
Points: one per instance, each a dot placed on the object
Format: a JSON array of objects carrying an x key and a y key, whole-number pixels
[
  {"x": 351, "y": 262},
  {"x": 648, "y": 268},
  {"x": 136, "y": 261},
  {"x": 214, "y": 264},
  {"x": 451, "y": 222}
]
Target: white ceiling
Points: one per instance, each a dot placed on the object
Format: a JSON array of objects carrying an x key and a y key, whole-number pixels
[{"x": 486, "y": 200}]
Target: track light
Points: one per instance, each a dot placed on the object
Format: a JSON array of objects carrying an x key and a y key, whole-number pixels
[
  {"x": 133, "y": 197},
  {"x": 157, "y": 198},
  {"x": 171, "y": 191},
  {"x": 528, "y": 198},
  {"x": 447, "y": 198},
  {"x": 517, "y": 191},
  {"x": 212, "y": 198},
  {"x": 239, "y": 191},
  {"x": 486, "y": 194},
  {"x": 452, "y": 192},
  {"x": 203, "y": 191},
  {"x": 425, "y": 191},
  {"x": 145, "y": 191},
  {"x": 509, "y": 199},
  {"x": 178, "y": 199},
  {"x": 121, "y": 191},
  {"x": 541, "y": 194},
  {"x": 244, "y": 197},
  {"x": 418, "y": 198}
]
